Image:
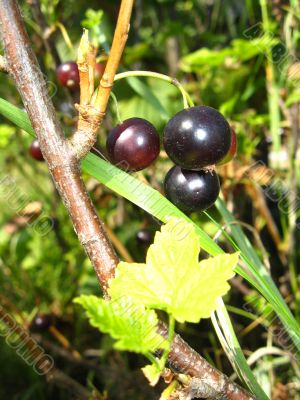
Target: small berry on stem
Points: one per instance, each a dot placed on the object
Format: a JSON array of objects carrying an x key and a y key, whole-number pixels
[
  {"x": 144, "y": 236},
  {"x": 68, "y": 75},
  {"x": 133, "y": 144},
  {"x": 192, "y": 190},
  {"x": 197, "y": 137},
  {"x": 35, "y": 151}
]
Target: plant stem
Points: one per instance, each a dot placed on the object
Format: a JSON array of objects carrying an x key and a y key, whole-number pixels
[
  {"x": 65, "y": 35},
  {"x": 293, "y": 200},
  {"x": 187, "y": 101},
  {"x": 118, "y": 45},
  {"x": 171, "y": 333},
  {"x": 272, "y": 87},
  {"x": 153, "y": 359}
]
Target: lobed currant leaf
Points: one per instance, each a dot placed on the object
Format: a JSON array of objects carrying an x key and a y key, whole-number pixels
[
  {"x": 172, "y": 279},
  {"x": 132, "y": 326}
]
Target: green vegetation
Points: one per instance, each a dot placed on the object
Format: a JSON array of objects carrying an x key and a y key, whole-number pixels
[{"x": 240, "y": 57}]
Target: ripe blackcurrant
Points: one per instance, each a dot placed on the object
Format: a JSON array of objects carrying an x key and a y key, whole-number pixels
[
  {"x": 232, "y": 150},
  {"x": 41, "y": 322},
  {"x": 133, "y": 145},
  {"x": 35, "y": 151},
  {"x": 68, "y": 75},
  {"x": 197, "y": 137},
  {"x": 192, "y": 190},
  {"x": 144, "y": 236}
]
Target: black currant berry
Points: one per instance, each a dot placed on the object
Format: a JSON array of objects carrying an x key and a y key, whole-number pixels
[
  {"x": 133, "y": 145},
  {"x": 41, "y": 322},
  {"x": 192, "y": 190},
  {"x": 68, "y": 75},
  {"x": 144, "y": 236},
  {"x": 35, "y": 151},
  {"x": 197, "y": 137}
]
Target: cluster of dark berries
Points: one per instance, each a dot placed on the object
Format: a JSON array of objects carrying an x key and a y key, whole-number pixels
[{"x": 195, "y": 139}]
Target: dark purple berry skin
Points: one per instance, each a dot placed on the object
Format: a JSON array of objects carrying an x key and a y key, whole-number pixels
[
  {"x": 144, "y": 236},
  {"x": 68, "y": 75},
  {"x": 133, "y": 145},
  {"x": 192, "y": 190},
  {"x": 41, "y": 322},
  {"x": 35, "y": 151},
  {"x": 197, "y": 137}
]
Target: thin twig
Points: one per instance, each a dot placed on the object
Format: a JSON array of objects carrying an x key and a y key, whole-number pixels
[
  {"x": 91, "y": 115},
  {"x": 86, "y": 54},
  {"x": 293, "y": 201},
  {"x": 45, "y": 30},
  {"x": 256, "y": 193},
  {"x": 119, "y": 41}
]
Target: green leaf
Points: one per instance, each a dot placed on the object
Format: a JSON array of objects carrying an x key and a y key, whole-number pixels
[
  {"x": 233, "y": 350},
  {"x": 293, "y": 98},
  {"x": 238, "y": 50},
  {"x": 17, "y": 116},
  {"x": 172, "y": 278},
  {"x": 152, "y": 372},
  {"x": 133, "y": 326},
  {"x": 92, "y": 18}
]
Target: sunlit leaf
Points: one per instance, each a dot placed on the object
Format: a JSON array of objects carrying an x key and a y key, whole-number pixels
[
  {"x": 132, "y": 326},
  {"x": 173, "y": 279}
]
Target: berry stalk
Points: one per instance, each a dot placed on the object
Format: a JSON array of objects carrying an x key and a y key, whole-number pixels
[{"x": 187, "y": 101}]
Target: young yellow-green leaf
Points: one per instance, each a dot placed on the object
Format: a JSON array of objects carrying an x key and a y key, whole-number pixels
[
  {"x": 172, "y": 278},
  {"x": 152, "y": 372},
  {"x": 133, "y": 326}
]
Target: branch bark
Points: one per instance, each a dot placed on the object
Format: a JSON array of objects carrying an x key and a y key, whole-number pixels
[{"x": 63, "y": 155}]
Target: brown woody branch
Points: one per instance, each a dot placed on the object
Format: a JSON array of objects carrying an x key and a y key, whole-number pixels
[{"x": 62, "y": 156}]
